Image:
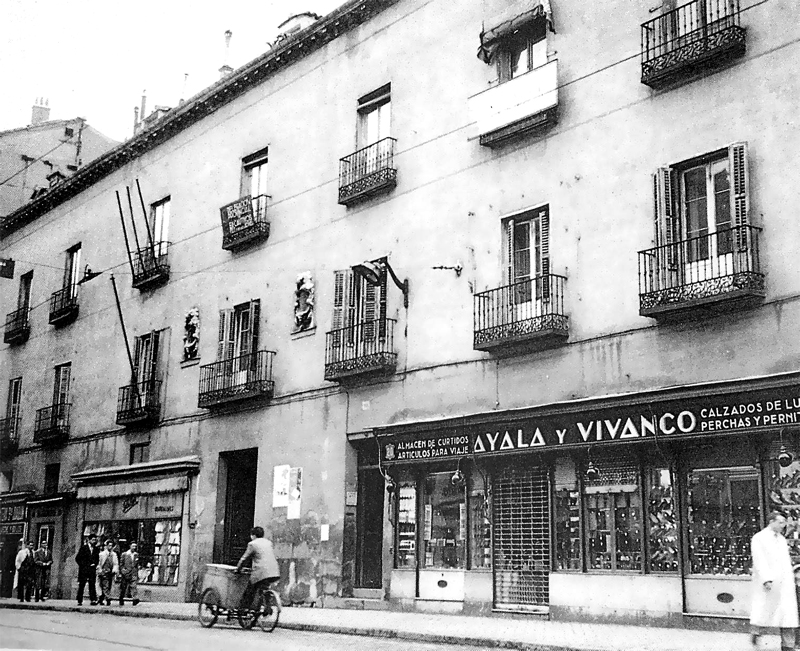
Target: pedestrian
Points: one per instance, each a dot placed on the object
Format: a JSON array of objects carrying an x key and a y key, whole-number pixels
[
  {"x": 43, "y": 560},
  {"x": 129, "y": 575},
  {"x": 107, "y": 570},
  {"x": 774, "y": 598},
  {"x": 87, "y": 558},
  {"x": 264, "y": 565},
  {"x": 25, "y": 570}
]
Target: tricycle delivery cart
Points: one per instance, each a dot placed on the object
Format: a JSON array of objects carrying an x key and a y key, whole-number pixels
[{"x": 222, "y": 594}]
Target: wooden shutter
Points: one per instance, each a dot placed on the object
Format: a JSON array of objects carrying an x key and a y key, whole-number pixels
[
  {"x": 61, "y": 385},
  {"x": 667, "y": 220},
  {"x": 508, "y": 253},
  {"x": 740, "y": 192},
  {"x": 155, "y": 338},
  {"x": 225, "y": 341},
  {"x": 137, "y": 356},
  {"x": 370, "y": 310},
  {"x": 341, "y": 288},
  {"x": 14, "y": 400},
  {"x": 255, "y": 317},
  {"x": 543, "y": 224}
]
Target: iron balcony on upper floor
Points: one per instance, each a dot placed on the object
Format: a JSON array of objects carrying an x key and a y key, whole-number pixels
[
  {"x": 139, "y": 403},
  {"x": 246, "y": 377},
  {"x": 367, "y": 172},
  {"x": 18, "y": 327},
  {"x": 700, "y": 275},
  {"x": 64, "y": 305},
  {"x": 9, "y": 436},
  {"x": 151, "y": 266},
  {"x": 52, "y": 424},
  {"x": 525, "y": 316},
  {"x": 517, "y": 107},
  {"x": 362, "y": 350},
  {"x": 695, "y": 36},
  {"x": 244, "y": 222}
]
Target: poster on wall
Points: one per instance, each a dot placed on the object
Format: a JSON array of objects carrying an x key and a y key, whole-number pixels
[
  {"x": 295, "y": 493},
  {"x": 280, "y": 486}
]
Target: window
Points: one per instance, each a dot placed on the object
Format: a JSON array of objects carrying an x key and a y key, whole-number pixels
[
  {"x": 61, "y": 384},
  {"x": 140, "y": 452},
  {"x": 72, "y": 268},
  {"x": 358, "y": 308},
  {"x": 526, "y": 253},
  {"x": 662, "y": 526},
  {"x": 522, "y": 51},
  {"x": 445, "y": 529},
  {"x": 374, "y": 116},
  {"x": 69, "y": 132},
  {"x": 406, "y": 524},
  {"x": 51, "y": 476},
  {"x": 24, "y": 297},
  {"x": 13, "y": 406},
  {"x": 238, "y": 330},
  {"x": 480, "y": 543},
  {"x": 254, "y": 180},
  {"x": 145, "y": 357},
  {"x": 159, "y": 226}
]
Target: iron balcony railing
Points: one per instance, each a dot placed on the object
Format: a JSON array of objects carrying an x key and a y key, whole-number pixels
[
  {"x": 367, "y": 171},
  {"x": 725, "y": 264},
  {"x": 139, "y": 402},
  {"x": 692, "y": 35},
  {"x": 52, "y": 423},
  {"x": 239, "y": 378},
  {"x": 525, "y": 310},
  {"x": 364, "y": 348},
  {"x": 151, "y": 265},
  {"x": 18, "y": 327},
  {"x": 9, "y": 435},
  {"x": 244, "y": 222},
  {"x": 64, "y": 305}
]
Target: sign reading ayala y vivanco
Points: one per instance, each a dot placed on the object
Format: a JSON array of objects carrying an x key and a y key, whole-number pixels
[{"x": 752, "y": 410}]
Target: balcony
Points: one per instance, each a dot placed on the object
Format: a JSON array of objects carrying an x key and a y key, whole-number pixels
[
  {"x": 139, "y": 403},
  {"x": 151, "y": 266},
  {"x": 18, "y": 327},
  {"x": 247, "y": 377},
  {"x": 362, "y": 350},
  {"x": 516, "y": 108},
  {"x": 52, "y": 424},
  {"x": 367, "y": 172},
  {"x": 244, "y": 222},
  {"x": 523, "y": 317},
  {"x": 64, "y": 306},
  {"x": 701, "y": 275},
  {"x": 9, "y": 436},
  {"x": 693, "y": 37}
]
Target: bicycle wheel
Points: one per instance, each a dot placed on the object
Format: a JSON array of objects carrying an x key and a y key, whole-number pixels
[
  {"x": 270, "y": 611},
  {"x": 208, "y": 608}
]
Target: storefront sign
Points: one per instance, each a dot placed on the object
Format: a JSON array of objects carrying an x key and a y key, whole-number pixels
[
  {"x": 46, "y": 511},
  {"x": 743, "y": 412},
  {"x": 12, "y": 513},
  {"x": 135, "y": 507},
  {"x": 12, "y": 529}
]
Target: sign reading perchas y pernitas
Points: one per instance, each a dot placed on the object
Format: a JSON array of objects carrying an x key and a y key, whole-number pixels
[{"x": 746, "y": 411}]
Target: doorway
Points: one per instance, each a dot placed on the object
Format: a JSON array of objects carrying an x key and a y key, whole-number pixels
[
  {"x": 8, "y": 554},
  {"x": 236, "y": 503},
  {"x": 369, "y": 545}
]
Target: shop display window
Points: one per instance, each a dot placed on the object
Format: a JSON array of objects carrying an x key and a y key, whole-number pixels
[
  {"x": 406, "y": 524},
  {"x": 480, "y": 523},
  {"x": 613, "y": 505},
  {"x": 662, "y": 527},
  {"x": 784, "y": 496},
  {"x": 567, "y": 517},
  {"x": 723, "y": 515},
  {"x": 445, "y": 524}
]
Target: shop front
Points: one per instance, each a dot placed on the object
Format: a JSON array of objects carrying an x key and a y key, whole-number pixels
[
  {"x": 13, "y": 528},
  {"x": 636, "y": 508},
  {"x": 146, "y": 503}
]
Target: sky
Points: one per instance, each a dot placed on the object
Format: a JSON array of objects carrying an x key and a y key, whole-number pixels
[{"x": 93, "y": 58}]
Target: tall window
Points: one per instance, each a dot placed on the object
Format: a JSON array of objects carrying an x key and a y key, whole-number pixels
[
  {"x": 146, "y": 357},
  {"x": 13, "y": 406},
  {"x": 52, "y": 472},
  {"x": 72, "y": 268},
  {"x": 374, "y": 116},
  {"x": 706, "y": 191},
  {"x": 445, "y": 529},
  {"x": 407, "y": 523},
  {"x": 527, "y": 254},
  {"x": 522, "y": 51},
  {"x": 238, "y": 330},
  {"x": 254, "y": 180},
  {"x": 61, "y": 384},
  {"x": 358, "y": 307},
  {"x": 159, "y": 225},
  {"x": 24, "y": 297}
]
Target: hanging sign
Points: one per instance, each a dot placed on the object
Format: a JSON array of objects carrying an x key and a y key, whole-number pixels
[{"x": 237, "y": 216}]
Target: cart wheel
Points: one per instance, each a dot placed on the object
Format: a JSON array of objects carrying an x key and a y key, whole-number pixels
[
  {"x": 208, "y": 608},
  {"x": 270, "y": 611}
]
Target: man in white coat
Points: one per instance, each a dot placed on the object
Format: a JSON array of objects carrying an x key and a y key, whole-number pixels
[{"x": 774, "y": 598}]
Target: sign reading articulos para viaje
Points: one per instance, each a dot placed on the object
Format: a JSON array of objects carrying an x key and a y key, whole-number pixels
[{"x": 711, "y": 415}]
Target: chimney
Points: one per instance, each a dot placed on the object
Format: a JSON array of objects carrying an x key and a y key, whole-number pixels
[
  {"x": 40, "y": 111},
  {"x": 225, "y": 70},
  {"x": 135, "y": 120},
  {"x": 142, "y": 113}
]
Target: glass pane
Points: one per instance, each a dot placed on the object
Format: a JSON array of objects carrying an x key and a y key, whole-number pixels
[
  {"x": 480, "y": 525},
  {"x": 568, "y": 529},
  {"x": 723, "y": 516},
  {"x": 407, "y": 524},
  {"x": 784, "y": 496},
  {"x": 518, "y": 56},
  {"x": 662, "y": 531},
  {"x": 445, "y": 522},
  {"x": 696, "y": 202},
  {"x": 599, "y": 546}
]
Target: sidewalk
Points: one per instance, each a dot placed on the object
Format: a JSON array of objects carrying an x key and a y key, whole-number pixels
[{"x": 501, "y": 632}]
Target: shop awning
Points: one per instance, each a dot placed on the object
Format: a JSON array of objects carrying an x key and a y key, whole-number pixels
[
  {"x": 149, "y": 478},
  {"x": 142, "y": 487},
  {"x": 517, "y": 14}
]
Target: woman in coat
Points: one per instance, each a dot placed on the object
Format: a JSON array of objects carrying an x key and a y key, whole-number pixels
[{"x": 774, "y": 598}]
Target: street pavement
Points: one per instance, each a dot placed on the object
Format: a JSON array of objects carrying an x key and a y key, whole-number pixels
[{"x": 508, "y": 632}]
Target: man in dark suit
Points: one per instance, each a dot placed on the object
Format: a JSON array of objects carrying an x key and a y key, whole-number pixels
[
  {"x": 87, "y": 558},
  {"x": 43, "y": 560}
]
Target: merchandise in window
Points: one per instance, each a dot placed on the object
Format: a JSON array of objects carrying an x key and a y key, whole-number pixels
[
  {"x": 445, "y": 529},
  {"x": 568, "y": 528},
  {"x": 407, "y": 524},
  {"x": 662, "y": 529},
  {"x": 723, "y": 515},
  {"x": 480, "y": 523},
  {"x": 784, "y": 496}
]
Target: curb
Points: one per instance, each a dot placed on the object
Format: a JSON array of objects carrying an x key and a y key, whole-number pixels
[{"x": 387, "y": 633}]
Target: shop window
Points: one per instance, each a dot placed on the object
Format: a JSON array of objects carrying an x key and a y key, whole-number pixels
[
  {"x": 480, "y": 523},
  {"x": 613, "y": 506},
  {"x": 662, "y": 528},
  {"x": 723, "y": 515},
  {"x": 567, "y": 502},
  {"x": 445, "y": 532},
  {"x": 784, "y": 496},
  {"x": 406, "y": 524},
  {"x": 51, "y": 475}
]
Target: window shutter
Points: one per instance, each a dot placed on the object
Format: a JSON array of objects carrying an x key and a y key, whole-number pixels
[
  {"x": 225, "y": 342},
  {"x": 351, "y": 308},
  {"x": 508, "y": 253},
  {"x": 667, "y": 221},
  {"x": 61, "y": 393},
  {"x": 137, "y": 354},
  {"x": 544, "y": 242},
  {"x": 255, "y": 317},
  {"x": 154, "y": 350},
  {"x": 740, "y": 195},
  {"x": 341, "y": 286},
  {"x": 370, "y": 311}
]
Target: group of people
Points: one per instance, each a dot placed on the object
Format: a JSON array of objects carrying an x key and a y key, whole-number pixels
[
  {"x": 33, "y": 571},
  {"x": 107, "y": 567}
]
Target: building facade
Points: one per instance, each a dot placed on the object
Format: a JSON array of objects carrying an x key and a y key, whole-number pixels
[{"x": 479, "y": 310}]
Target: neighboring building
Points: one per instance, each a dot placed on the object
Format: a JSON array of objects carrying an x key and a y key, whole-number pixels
[
  {"x": 35, "y": 158},
  {"x": 507, "y": 332}
]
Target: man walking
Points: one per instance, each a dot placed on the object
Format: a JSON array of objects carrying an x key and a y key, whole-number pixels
[
  {"x": 87, "y": 558},
  {"x": 774, "y": 599},
  {"x": 129, "y": 574},
  {"x": 43, "y": 560},
  {"x": 25, "y": 571},
  {"x": 107, "y": 569}
]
